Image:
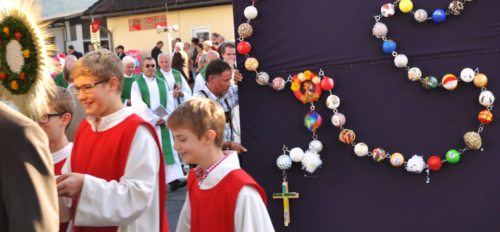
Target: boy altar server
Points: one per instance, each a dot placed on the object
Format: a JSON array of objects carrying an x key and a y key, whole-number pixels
[
  {"x": 115, "y": 173},
  {"x": 221, "y": 196}
]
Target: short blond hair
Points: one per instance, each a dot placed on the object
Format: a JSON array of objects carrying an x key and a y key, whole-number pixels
[
  {"x": 102, "y": 64},
  {"x": 200, "y": 115},
  {"x": 63, "y": 102}
]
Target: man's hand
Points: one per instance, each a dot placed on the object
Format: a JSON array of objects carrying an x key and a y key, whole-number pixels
[
  {"x": 238, "y": 77},
  {"x": 178, "y": 92},
  {"x": 69, "y": 184},
  {"x": 230, "y": 145},
  {"x": 160, "y": 122}
]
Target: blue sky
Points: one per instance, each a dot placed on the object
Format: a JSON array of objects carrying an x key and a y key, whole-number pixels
[{"x": 52, "y": 8}]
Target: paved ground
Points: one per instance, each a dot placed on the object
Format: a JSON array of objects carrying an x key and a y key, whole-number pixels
[{"x": 175, "y": 200}]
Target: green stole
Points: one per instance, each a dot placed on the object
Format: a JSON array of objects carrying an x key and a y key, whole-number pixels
[
  {"x": 203, "y": 73},
  {"x": 59, "y": 79},
  {"x": 165, "y": 135},
  {"x": 127, "y": 86},
  {"x": 177, "y": 76}
]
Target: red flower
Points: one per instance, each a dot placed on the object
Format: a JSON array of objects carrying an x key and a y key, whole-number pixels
[
  {"x": 3, "y": 75},
  {"x": 18, "y": 35}
]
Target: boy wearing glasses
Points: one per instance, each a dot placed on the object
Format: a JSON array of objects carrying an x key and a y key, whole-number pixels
[
  {"x": 55, "y": 124},
  {"x": 153, "y": 101},
  {"x": 115, "y": 173}
]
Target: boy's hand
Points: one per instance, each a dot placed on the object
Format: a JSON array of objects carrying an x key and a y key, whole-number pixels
[
  {"x": 69, "y": 184},
  {"x": 238, "y": 77},
  {"x": 234, "y": 146}
]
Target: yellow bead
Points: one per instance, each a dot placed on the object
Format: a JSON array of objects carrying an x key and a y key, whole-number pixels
[
  {"x": 26, "y": 53},
  {"x": 405, "y": 6},
  {"x": 480, "y": 80}
]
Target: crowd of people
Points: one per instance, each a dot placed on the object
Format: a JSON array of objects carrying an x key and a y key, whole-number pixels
[{"x": 119, "y": 138}]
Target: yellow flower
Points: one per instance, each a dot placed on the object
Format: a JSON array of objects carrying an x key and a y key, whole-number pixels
[
  {"x": 307, "y": 74},
  {"x": 14, "y": 85},
  {"x": 26, "y": 53},
  {"x": 316, "y": 80},
  {"x": 6, "y": 30},
  {"x": 295, "y": 86}
]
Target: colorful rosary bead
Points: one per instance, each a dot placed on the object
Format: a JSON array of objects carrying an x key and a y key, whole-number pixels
[
  {"x": 480, "y": 80},
  {"x": 438, "y": 16},
  {"x": 486, "y": 98},
  {"x": 449, "y": 82},
  {"x": 389, "y": 46},
  {"x": 430, "y": 82},
  {"x": 414, "y": 74},
  {"x": 338, "y": 120},
  {"x": 485, "y": 117},
  {"x": 347, "y": 136},
  {"x": 387, "y": 10},
  {"x": 473, "y": 140},
  {"x": 434, "y": 163},
  {"x": 251, "y": 64},
  {"x": 361, "y": 149},
  {"x": 312, "y": 121},
  {"x": 397, "y": 159},
  {"x": 452, "y": 156},
  {"x": 467, "y": 75},
  {"x": 420, "y": 15},
  {"x": 378, "y": 154}
]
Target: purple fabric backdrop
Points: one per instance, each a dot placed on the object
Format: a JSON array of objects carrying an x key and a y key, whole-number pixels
[{"x": 383, "y": 107}]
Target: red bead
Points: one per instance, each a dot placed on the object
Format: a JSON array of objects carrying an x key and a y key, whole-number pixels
[
  {"x": 485, "y": 117},
  {"x": 3, "y": 75},
  {"x": 22, "y": 76},
  {"x": 244, "y": 47},
  {"x": 327, "y": 84},
  {"x": 18, "y": 36},
  {"x": 434, "y": 163}
]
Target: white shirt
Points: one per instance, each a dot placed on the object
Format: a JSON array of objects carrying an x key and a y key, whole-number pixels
[
  {"x": 63, "y": 153},
  {"x": 250, "y": 213},
  {"x": 133, "y": 202},
  {"x": 142, "y": 109},
  {"x": 199, "y": 83},
  {"x": 169, "y": 78}
]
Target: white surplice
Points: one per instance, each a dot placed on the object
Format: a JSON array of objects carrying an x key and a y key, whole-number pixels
[
  {"x": 173, "y": 171},
  {"x": 63, "y": 153},
  {"x": 133, "y": 202},
  {"x": 250, "y": 213},
  {"x": 169, "y": 78}
]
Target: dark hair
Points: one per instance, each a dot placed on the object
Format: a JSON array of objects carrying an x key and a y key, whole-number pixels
[
  {"x": 195, "y": 40},
  {"x": 71, "y": 47},
  {"x": 159, "y": 42},
  {"x": 200, "y": 45},
  {"x": 226, "y": 45},
  {"x": 178, "y": 39},
  {"x": 216, "y": 67},
  {"x": 120, "y": 47}
]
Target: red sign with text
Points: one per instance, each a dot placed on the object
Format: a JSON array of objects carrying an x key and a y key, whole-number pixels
[{"x": 147, "y": 23}]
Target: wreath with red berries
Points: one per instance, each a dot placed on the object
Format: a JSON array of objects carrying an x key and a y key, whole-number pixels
[
  {"x": 306, "y": 87},
  {"x": 13, "y": 33}
]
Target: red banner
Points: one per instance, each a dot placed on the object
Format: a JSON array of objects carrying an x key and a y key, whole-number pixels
[
  {"x": 95, "y": 25},
  {"x": 147, "y": 23}
]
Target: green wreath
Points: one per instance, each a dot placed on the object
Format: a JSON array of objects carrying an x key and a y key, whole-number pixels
[{"x": 12, "y": 30}]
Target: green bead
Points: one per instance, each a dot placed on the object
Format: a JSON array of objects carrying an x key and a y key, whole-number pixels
[
  {"x": 452, "y": 156},
  {"x": 430, "y": 82}
]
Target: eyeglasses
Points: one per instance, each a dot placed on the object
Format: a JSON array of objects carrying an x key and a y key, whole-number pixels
[
  {"x": 46, "y": 118},
  {"x": 88, "y": 88},
  {"x": 150, "y": 65}
]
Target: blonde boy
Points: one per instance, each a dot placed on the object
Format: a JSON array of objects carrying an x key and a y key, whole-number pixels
[
  {"x": 221, "y": 196},
  {"x": 115, "y": 173}
]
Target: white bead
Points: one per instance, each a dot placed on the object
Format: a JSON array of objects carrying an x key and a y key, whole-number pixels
[
  {"x": 332, "y": 102},
  {"x": 401, "y": 61},
  {"x": 297, "y": 154},
  {"x": 262, "y": 78},
  {"x": 415, "y": 164},
  {"x": 420, "y": 15},
  {"x": 251, "y": 12},
  {"x": 467, "y": 75},
  {"x": 486, "y": 98},
  {"x": 361, "y": 149},
  {"x": 414, "y": 74},
  {"x": 338, "y": 120},
  {"x": 315, "y": 146},
  {"x": 284, "y": 162},
  {"x": 311, "y": 162},
  {"x": 379, "y": 30}
]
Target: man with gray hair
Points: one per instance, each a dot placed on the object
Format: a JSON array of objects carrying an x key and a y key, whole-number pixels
[
  {"x": 201, "y": 78},
  {"x": 176, "y": 85},
  {"x": 129, "y": 65}
]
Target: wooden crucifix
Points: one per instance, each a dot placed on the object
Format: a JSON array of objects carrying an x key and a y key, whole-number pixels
[{"x": 285, "y": 195}]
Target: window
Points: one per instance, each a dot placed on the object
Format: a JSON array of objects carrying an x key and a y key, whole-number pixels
[
  {"x": 72, "y": 33},
  {"x": 201, "y": 33}
]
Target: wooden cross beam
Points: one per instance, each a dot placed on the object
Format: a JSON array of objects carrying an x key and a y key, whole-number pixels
[{"x": 285, "y": 195}]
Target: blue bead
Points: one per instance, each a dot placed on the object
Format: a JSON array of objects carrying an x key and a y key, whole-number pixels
[
  {"x": 389, "y": 46},
  {"x": 438, "y": 16}
]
